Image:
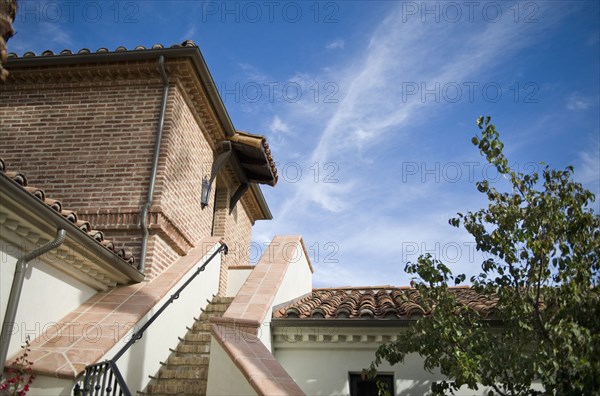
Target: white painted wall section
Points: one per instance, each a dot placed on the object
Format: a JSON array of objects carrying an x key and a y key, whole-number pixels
[
  {"x": 296, "y": 283},
  {"x": 235, "y": 280},
  {"x": 224, "y": 377},
  {"x": 47, "y": 296}
]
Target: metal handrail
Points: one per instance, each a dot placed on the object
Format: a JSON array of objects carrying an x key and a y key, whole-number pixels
[
  {"x": 102, "y": 378},
  {"x": 95, "y": 381}
]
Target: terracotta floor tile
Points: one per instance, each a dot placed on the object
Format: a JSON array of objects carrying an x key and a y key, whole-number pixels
[
  {"x": 137, "y": 310},
  {"x": 103, "y": 307},
  {"x": 118, "y": 324},
  {"x": 65, "y": 371},
  {"x": 96, "y": 297},
  {"x": 159, "y": 283},
  {"x": 235, "y": 308},
  {"x": 127, "y": 290},
  {"x": 60, "y": 342},
  {"x": 114, "y": 298},
  {"x": 143, "y": 299},
  {"x": 83, "y": 307},
  {"x": 269, "y": 386},
  {"x": 84, "y": 356},
  {"x": 158, "y": 292},
  {"x": 69, "y": 317},
  {"x": 74, "y": 329},
  {"x": 103, "y": 343},
  {"x": 90, "y": 317},
  {"x": 50, "y": 362},
  {"x": 242, "y": 299},
  {"x": 275, "y": 368},
  {"x": 252, "y": 366}
]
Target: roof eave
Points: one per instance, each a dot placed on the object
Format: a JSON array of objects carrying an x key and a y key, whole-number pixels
[
  {"x": 13, "y": 191},
  {"x": 341, "y": 322},
  {"x": 355, "y": 322}
]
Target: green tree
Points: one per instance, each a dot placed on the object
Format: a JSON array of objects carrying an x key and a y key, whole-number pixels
[{"x": 543, "y": 244}]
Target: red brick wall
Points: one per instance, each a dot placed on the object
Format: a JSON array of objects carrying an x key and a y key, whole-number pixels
[
  {"x": 187, "y": 157},
  {"x": 90, "y": 144}
]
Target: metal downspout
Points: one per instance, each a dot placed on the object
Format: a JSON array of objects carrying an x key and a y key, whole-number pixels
[
  {"x": 15, "y": 292},
  {"x": 156, "y": 154}
]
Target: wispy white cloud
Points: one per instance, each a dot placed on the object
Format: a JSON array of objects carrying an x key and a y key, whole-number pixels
[
  {"x": 57, "y": 34},
  {"x": 56, "y": 37},
  {"x": 336, "y": 44},
  {"x": 373, "y": 109},
  {"x": 278, "y": 127},
  {"x": 587, "y": 170},
  {"x": 578, "y": 102}
]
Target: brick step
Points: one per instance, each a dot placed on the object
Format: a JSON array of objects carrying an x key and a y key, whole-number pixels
[
  {"x": 205, "y": 316},
  {"x": 186, "y": 359},
  {"x": 192, "y": 348},
  {"x": 217, "y": 308},
  {"x": 195, "y": 337},
  {"x": 222, "y": 300},
  {"x": 200, "y": 326},
  {"x": 177, "y": 387},
  {"x": 183, "y": 373}
]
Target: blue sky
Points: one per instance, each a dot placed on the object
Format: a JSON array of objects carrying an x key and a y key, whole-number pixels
[{"x": 370, "y": 106}]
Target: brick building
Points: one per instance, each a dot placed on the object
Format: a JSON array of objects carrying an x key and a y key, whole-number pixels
[
  {"x": 132, "y": 155},
  {"x": 84, "y": 126}
]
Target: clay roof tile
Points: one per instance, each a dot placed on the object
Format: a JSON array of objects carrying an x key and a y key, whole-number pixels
[
  {"x": 376, "y": 303},
  {"x": 70, "y": 215}
]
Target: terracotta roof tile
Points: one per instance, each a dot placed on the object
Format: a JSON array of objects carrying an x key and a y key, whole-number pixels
[
  {"x": 70, "y": 215},
  {"x": 186, "y": 43},
  {"x": 388, "y": 302},
  {"x": 255, "y": 156}
]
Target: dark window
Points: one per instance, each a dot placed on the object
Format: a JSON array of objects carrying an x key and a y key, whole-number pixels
[{"x": 368, "y": 387}]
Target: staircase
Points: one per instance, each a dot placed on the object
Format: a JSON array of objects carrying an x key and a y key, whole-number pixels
[{"x": 186, "y": 370}]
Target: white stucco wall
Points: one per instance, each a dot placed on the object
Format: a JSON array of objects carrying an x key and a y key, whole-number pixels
[
  {"x": 296, "y": 282},
  {"x": 235, "y": 280},
  {"x": 224, "y": 377},
  {"x": 144, "y": 357},
  {"x": 45, "y": 386},
  {"x": 322, "y": 366},
  {"x": 48, "y": 295}
]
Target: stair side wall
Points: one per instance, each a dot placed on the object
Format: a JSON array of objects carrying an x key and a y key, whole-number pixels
[{"x": 143, "y": 359}]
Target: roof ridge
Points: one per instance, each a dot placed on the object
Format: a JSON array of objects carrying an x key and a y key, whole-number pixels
[{"x": 101, "y": 50}]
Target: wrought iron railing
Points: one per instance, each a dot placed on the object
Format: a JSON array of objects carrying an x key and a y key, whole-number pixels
[{"x": 105, "y": 378}]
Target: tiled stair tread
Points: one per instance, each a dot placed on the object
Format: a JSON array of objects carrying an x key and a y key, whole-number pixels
[{"x": 185, "y": 372}]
